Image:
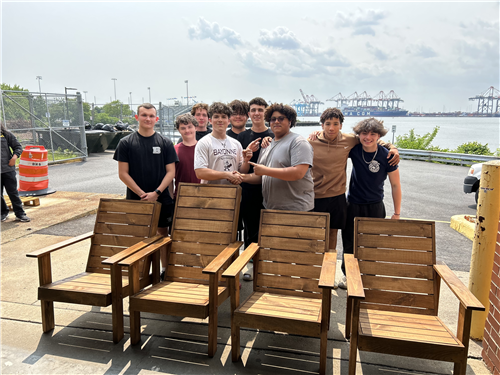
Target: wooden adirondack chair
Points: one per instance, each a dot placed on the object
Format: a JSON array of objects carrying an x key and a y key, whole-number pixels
[
  {"x": 122, "y": 227},
  {"x": 202, "y": 245},
  {"x": 393, "y": 285},
  {"x": 294, "y": 272}
]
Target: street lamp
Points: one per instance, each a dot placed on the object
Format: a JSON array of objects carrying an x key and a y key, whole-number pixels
[
  {"x": 114, "y": 79},
  {"x": 131, "y": 104},
  {"x": 39, "y": 85},
  {"x": 149, "y": 89},
  {"x": 187, "y": 92},
  {"x": 85, "y": 92}
]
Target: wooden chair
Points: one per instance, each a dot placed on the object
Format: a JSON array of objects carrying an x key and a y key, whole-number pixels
[
  {"x": 202, "y": 245},
  {"x": 393, "y": 284},
  {"x": 294, "y": 273},
  {"x": 122, "y": 227}
]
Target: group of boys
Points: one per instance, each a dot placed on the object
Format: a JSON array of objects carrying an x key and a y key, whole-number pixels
[{"x": 276, "y": 168}]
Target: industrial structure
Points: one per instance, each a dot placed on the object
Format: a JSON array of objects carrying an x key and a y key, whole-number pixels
[
  {"x": 488, "y": 102},
  {"x": 365, "y": 105},
  {"x": 309, "y": 107}
]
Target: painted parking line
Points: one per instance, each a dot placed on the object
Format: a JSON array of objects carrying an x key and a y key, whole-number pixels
[{"x": 409, "y": 218}]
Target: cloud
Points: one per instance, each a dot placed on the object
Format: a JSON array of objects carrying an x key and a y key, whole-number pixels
[
  {"x": 378, "y": 53},
  {"x": 421, "y": 50},
  {"x": 280, "y": 37},
  {"x": 310, "y": 20},
  {"x": 364, "y": 30},
  {"x": 206, "y": 30},
  {"x": 361, "y": 20}
]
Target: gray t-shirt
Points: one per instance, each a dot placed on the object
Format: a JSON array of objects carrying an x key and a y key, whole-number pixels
[
  {"x": 289, "y": 151},
  {"x": 220, "y": 155}
]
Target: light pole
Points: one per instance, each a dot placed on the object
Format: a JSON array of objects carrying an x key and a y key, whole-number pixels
[
  {"x": 149, "y": 89},
  {"x": 187, "y": 92},
  {"x": 39, "y": 85},
  {"x": 114, "y": 79},
  {"x": 131, "y": 101},
  {"x": 85, "y": 92}
]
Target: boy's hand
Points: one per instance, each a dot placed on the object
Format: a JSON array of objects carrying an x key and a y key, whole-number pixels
[
  {"x": 247, "y": 154},
  {"x": 150, "y": 197},
  {"x": 266, "y": 142},
  {"x": 394, "y": 154},
  {"x": 258, "y": 169},
  {"x": 12, "y": 161},
  {"x": 235, "y": 177},
  {"x": 254, "y": 146},
  {"x": 314, "y": 135}
]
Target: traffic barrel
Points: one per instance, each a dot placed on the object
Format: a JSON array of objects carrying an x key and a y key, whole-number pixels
[{"x": 34, "y": 171}]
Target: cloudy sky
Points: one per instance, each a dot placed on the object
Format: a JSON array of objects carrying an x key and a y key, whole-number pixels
[{"x": 433, "y": 55}]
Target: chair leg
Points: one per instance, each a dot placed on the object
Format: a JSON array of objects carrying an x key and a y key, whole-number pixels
[
  {"x": 48, "y": 322},
  {"x": 117, "y": 317},
  {"x": 235, "y": 342},
  {"x": 212, "y": 334},
  {"x": 322, "y": 352},
  {"x": 460, "y": 368},
  {"x": 348, "y": 316},
  {"x": 135, "y": 327},
  {"x": 353, "y": 352}
]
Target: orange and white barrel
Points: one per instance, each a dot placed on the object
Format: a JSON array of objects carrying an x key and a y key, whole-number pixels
[{"x": 33, "y": 169}]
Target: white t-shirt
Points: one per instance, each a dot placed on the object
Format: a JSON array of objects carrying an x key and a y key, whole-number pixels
[{"x": 220, "y": 155}]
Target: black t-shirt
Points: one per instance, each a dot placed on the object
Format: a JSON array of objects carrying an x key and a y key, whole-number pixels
[
  {"x": 147, "y": 158},
  {"x": 232, "y": 134},
  {"x": 199, "y": 135},
  {"x": 247, "y": 137}
]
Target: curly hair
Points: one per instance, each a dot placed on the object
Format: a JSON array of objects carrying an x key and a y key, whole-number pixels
[
  {"x": 284, "y": 109},
  {"x": 199, "y": 106},
  {"x": 240, "y": 107},
  {"x": 146, "y": 106},
  {"x": 330, "y": 113},
  {"x": 185, "y": 119},
  {"x": 220, "y": 108},
  {"x": 258, "y": 101},
  {"x": 370, "y": 125}
]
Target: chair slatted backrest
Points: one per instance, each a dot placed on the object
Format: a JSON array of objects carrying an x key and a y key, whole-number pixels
[
  {"x": 120, "y": 223},
  {"x": 205, "y": 222},
  {"x": 292, "y": 245},
  {"x": 396, "y": 259}
]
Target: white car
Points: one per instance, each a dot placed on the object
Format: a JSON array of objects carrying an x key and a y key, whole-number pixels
[{"x": 471, "y": 182}]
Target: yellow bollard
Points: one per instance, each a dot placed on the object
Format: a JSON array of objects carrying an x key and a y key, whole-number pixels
[{"x": 483, "y": 247}]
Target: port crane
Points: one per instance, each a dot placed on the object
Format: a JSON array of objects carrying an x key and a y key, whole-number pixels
[
  {"x": 488, "y": 102},
  {"x": 308, "y": 107}
]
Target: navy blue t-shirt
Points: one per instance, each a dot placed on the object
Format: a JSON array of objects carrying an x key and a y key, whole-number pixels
[{"x": 367, "y": 181}]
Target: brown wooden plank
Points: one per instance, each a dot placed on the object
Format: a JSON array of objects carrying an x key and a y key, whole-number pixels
[
  {"x": 224, "y": 258},
  {"x": 328, "y": 268},
  {"x": 315, "y": 221},
  {"x": 396, "y": 256},
  {"x": 197, "y": 248},
  {"x": 439, "y": 332},
  {"x": 393, "y": 314},
  {"x": 190, "y": 259},
  {"x": 293, "y": 244},
  {"x": 295, "y": 314},
  {"x": 204, "y": 225},
  {"x": 201, "y": 202},
  {"x": 130, "y": 230},
  {"x": 207, "y": 191},
  {"x": 393, "y": 242},
  {"x": 186, "y": 272},
  {"x": 105, "y": 251},
  {"x": 413, "y": 228},
  {"x": 287, "y": 269},
  {"x": 354, "y": 281},
  {"x": 411, "y": 337},
  {"x": 204, "y": 237},
  {"x": 205, "y": 214},
  {"x": 269, "y": 299},
  {"x": 296, "y": 257},
  {"x": 123, "y": 218},
  {"x": 283, "y": 282},
  {"x": 285, "y": 232},
  {"x": 60, "y": 245},
  {"x": 96, "y": 262},
  {"x": 127, "y": 206},
  {"x": 403, "y": 299},
  {"x": 401, "y": 309},
  {"x": 398, "y": 284},
  {"x": 289, "y": 292},
  {"x": 401, "y": 320},
  {"x": 114, "y": 240},
  {"x": 400, "y": 270}
]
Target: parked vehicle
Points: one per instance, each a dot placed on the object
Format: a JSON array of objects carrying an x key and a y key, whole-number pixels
[{"x": 471, "y": 182}]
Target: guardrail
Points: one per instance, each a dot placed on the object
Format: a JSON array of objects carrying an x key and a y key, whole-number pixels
[{"x": 445, "y": 157}]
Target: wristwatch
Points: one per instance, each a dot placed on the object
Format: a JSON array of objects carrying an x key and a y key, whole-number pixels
[{"x": 158, "y": 191}]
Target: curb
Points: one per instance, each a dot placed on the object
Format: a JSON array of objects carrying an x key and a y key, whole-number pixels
[{"x": 462, "y": 225}]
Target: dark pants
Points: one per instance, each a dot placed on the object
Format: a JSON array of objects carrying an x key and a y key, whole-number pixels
[
  {"x": 9, "y": 181},
  {"x": 251, "y": 205},
  {"x": 358, "y": 210}
]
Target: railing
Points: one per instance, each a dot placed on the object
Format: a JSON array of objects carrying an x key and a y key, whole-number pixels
[{"x": 445, "y": 157}]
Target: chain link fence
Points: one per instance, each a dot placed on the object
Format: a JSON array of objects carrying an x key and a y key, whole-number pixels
[{"x": 54, "y": 121}]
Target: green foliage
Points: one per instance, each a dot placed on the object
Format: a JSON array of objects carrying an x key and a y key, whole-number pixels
[
  {"x": 416, "y": 142},
  {"x": 475, "y": 148},
  {"x": 86, "y": 111},
  {"x": 105, "y": 119},
  {"x": 14, "y": 102},
  {"x": 115, "y": 108},
  {"x": 497, "y": 152},
  {"x": 6, "y": 86}
]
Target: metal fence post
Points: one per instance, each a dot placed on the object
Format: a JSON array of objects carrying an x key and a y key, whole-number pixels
[
  {"x": 81, "y": 124},
  {"x": 93, "y": 114}
]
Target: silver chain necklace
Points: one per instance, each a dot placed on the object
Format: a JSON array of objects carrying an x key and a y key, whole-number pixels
[{"x": 373, "y": 165}]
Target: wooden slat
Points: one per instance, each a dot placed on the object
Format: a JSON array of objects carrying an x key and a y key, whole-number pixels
[
  {"x": 285, "y": 232},
  {"x": 204, "y": 214},
  {"x": 392, "y": 242},
  {"x": 104, "y": 217},
  {"x": 105, "y": 251},
  {"x": 398, "y": 284},
  {"x": 190, "y": 260},
  {"x": 131, "y": 230},
  {"x": 291, "y": 256},
  {"x": 207, "y": 191},
  {"x": 95, "y": 262},
  {"x": 400, "y": 309},
  {"x": 204, "y": 237},
  {"x": 401, "y": 270},
  {"x": 407, "y": 336},
  {"x": 420, "y": 229},
  {"x": 328, "y": 268},
  {"x": 292, "y": 244},
  {"x": 397, "y": 256},
  {"x": 127, "y": 206},
  {"x": 197, "y": 248},
  {"x": 395, "y": 315},
  {"x": 400, "y": 299},
  {"x": 187, "y": 272},
  {"x": 287, "y": 269},
  {"x": 219, "y": 203},
  {"x": 101, "y": 239},
  {"x": 204, "y": 225},
  {"x": 294, "y": 220},
  {"x": 283, "y": 282},
  {"x": 270, "y": 299}
]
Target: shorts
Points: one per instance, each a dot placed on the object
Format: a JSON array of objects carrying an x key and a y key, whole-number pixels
[
  {"x": 336, "y": 207},
  {"x": 166, "y": 215}
]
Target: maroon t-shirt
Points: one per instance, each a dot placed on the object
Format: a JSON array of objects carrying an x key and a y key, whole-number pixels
[{"x": 184, "y": 169}]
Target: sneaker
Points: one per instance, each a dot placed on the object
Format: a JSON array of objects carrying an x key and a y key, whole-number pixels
[
  {"x": 247, "y": 276},
  {"x": 5, "y": 216},
  {"x": 23, "y": 218},
  {"x": 342, "y": 283},
  {"x": 162, "y": 275}
]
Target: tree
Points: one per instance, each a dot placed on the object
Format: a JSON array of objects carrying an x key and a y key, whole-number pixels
[
  {"x": 115, "y": 108},
  {"x": 414, "y": 141},
  {"x": 13, "y": 103}
]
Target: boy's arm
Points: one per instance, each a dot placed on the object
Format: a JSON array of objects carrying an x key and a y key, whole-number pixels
[
  {"x": 393, "y": 152},
  {"x": 127, "y": 179},
  {"x": 152, "y": 196},
  {"x": 16, "y": 148},
  {"x": 211, "y": 175},
  {"x": 396, "y": 193},
  {"x": 286, "y": 174}
]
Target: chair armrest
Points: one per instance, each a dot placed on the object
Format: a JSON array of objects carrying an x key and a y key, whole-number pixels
[
  {"x": 131, "y": 250},
  {"x": 144, "y": 252},
  {"x": 465, "y": 296},
  {"x": 353, "y": 275},
  {"x": 236, "y": 267},
  {"x": 216, "y": 264},
  {"x": 328, "y": 268},
  {"x": 60, "y": 245}
]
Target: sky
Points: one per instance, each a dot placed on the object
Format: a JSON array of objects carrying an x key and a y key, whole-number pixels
[{"x": 433, "y": 55}]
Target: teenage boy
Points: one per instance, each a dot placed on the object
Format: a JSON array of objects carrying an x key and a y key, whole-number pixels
[
  {"x": 219, "y": 159},
  {"x": 370, "y": 168},
  {"x": 200, "y": 112},
  {"x": 239, "y": 118},
  {"x": 146, "y": 165},
  {"x": 184, "y": 170}
]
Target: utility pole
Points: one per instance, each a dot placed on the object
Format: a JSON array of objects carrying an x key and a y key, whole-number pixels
[
  {"x": 39, "y": 85},
  {"x": 187, "y": 91},
  {"x": 149, "y": 89},
  {"x": 85, "y": 92},
  {"x": 114, "y": 79}
]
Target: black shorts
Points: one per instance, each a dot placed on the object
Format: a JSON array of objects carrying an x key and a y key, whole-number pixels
[
  {"x": 336, "y": 207},
  {"x": 166, "y": 215}
]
